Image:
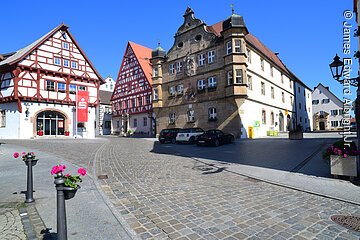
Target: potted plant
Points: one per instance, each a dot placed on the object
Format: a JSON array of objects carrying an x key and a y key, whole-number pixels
[
  {"x": 27, "y": 157},
  {"x": 296, "y": 134},
  {"x": 71, "y": 184},
  {"x": 40, "y": 131},
  {"x": 67, "y": 133},
  {"x": 342, "y": 156}
]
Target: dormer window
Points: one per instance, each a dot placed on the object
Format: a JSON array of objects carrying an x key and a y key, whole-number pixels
[{"x": 66, "y": 45}]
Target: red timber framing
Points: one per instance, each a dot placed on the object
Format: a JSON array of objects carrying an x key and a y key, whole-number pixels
[
  {"x": 55, "y": 57},
  {"x": 132, "y": 92}
]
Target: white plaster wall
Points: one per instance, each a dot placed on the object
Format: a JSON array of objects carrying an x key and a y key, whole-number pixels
[
  {"x": 140, "y": 123},
  {"x": 12, "y": 129},
  {"x": 251, "y": 111}
]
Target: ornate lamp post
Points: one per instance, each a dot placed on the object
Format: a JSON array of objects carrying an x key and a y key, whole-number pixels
[{"x": 337, "y": 67}]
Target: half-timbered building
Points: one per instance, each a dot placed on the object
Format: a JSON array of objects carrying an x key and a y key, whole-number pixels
[
  {"x": 39, "y": 85},
  {"x": 131, "y": 99}
]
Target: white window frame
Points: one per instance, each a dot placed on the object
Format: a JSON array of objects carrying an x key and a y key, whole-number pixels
[
  {"x": 211, "y": 56},
  {"x": 74, "y": 65},
  {"x": 171, "y": 68},
  {"x": 212, "y": 83},
  {"x": 248, "y": 51},
  {"x": 172, "y": 118},
  {"x": 179, "y": 67},
  {"x": 2, "y": 118},
  {"x": 239, "y": 76},
  {"x": 172, "y": 91},
  {"x": 155, "y": 72},
  {"x": 57, "y": 61},
  {"x": 201, "y": 84},
  {"x": 228, "y": 47},
  {"x": 180, "y": 89},
  {"x": 229, "y": 77},
  {"x": 190, "y": 115},
  {"x": 237, "y": 45},
  {"x": 212, "y": 113},
  {"x": 62, "y": 88},
  {"x": 66, "y": 45},
  {"x": 262, "y": 86},
  {"x": 50, "y": 85},
  {"x": 250, "y": 83},
  {"x": 201, "y": 59},
  {"x": 66, "y": 63},
  {"x": 156, "y": 94}
]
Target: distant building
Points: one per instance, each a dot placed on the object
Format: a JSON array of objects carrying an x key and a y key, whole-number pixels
[
  {"x": 327, "y": 109},
  {"x": 104, "y": 113},
  {"x": 108, "y": 85},
  {"x": 131, "y": 99},
  {"x": 221, "y": 76},
  {"x": 39, "y": 85},
  {"x": 303, "y": 105}
]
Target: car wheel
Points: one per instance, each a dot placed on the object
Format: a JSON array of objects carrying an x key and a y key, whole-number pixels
[
  {"x": 192, "y": 140},
  {"x": 173, "y": 141},
  {"x": 216, "y": 143}
]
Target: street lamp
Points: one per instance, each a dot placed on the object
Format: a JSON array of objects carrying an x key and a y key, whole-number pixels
[{"x": 337, "y": 67}]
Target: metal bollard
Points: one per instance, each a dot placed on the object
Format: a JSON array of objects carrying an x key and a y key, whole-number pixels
[
  {"x": 61, "y": 211},
  {"x": 30, "y": 188}
]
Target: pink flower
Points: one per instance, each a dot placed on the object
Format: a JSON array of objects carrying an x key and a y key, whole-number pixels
[
  {"x": 57, "y": 169},
  {"x": 345, "y": 155},
  {"x": 23, "y": 153},
  {"x": 16, "y": 155},
  {"x": 82, "y": 171},
  {"x": 67, "y": 175}
]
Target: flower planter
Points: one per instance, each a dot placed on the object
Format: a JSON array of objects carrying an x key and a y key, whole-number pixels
[
  {"x": 67, "y": 134},
  {"x": 33, "y": 162},
  {"x": 70, "y": 192},
  {"x": 343, "y": 166},
  {"x": 40, "y": 132},
  {"x": 295, "y": 135}
]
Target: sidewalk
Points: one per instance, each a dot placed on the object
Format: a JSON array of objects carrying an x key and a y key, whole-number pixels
[{"x": 88, "y": 216}]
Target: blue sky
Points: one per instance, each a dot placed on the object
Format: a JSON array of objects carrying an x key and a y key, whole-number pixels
[{"x": 306, "y": 33}]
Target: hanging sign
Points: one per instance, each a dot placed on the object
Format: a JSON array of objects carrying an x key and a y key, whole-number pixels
[{"x": 82, "y": 106}]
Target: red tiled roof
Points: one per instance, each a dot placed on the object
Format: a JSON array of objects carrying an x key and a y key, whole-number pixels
[
  {"x": 143, "y": 55},
  {"x": 252, "y": 40}
]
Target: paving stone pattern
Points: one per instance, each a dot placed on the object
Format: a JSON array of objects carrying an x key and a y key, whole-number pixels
[
  {"x": 167, "y": 196},
  {"x": 11, "y": 227}
]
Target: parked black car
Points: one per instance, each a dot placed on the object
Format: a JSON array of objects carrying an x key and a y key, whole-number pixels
[
  {"x": 214, "y": 137},
  {"x": 168, "y": 135}
]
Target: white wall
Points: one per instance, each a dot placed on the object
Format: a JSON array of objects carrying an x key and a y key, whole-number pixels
[{"x": 12, "y": 129}]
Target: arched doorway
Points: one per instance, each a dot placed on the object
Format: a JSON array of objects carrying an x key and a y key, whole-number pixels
[
  {"x": 51, "y": 122},
  {"x": 281, "y": 122}
]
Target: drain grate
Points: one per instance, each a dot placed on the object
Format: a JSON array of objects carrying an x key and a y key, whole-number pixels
[
  {"x": 349, "y": 222},
  {"x": 103, "y": 177}
]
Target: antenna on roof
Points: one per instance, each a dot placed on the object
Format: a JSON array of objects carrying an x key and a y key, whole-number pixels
[{"x": 232, "y": 8}]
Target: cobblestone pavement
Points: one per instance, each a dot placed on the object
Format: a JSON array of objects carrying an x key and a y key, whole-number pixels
[
  {"x": 168, "y": 196},
  {"x": 11, "y": 227}
]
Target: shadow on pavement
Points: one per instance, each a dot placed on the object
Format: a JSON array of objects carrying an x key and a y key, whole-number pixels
[{"x": 300, "y": 156}]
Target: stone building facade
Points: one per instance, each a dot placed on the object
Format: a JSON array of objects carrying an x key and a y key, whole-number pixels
[{"x": 222, "y": 77}]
